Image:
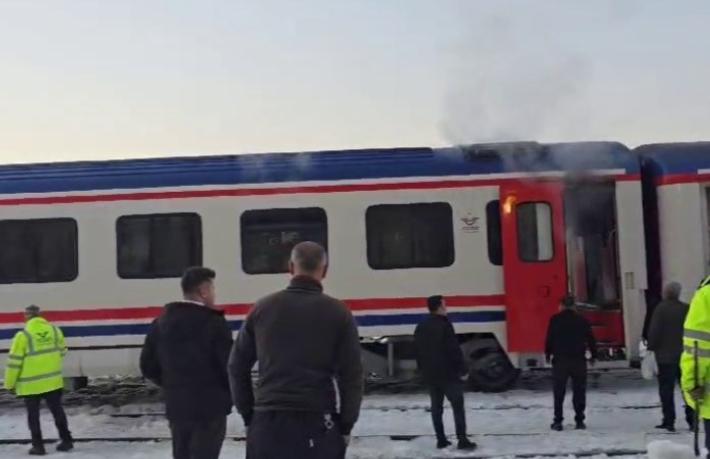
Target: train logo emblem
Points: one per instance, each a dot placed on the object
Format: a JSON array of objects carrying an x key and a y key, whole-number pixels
[{"x": 470, "y": 224}]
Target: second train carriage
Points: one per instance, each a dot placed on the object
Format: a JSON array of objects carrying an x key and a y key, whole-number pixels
[{"x": 502, "y": 230}]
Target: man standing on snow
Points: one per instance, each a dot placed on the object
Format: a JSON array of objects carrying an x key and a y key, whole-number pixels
[
  {"x": 569, "y": 336},
  {"x": 695, "y": 370},
  {"x": 34, "y": 372},
  {"x": 305, "y": 342},
  {"x": 185, "y": 353},
  {"x": 665, "y": 339},
  {"x": 441, "y": 361}
]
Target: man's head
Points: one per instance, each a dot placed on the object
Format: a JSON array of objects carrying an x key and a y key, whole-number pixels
[
  {"x": 568, "y": 301},
  {"x": 436, "y": 305},
  {"x": 672, "y": 291},
  {"x": 31, "y": 311},
  {"x": 198, "y": 285},
  {"x": 308, "y": 259}
]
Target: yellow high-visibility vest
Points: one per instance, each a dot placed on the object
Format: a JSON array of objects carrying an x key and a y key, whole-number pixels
[{"x": 34, "y": 365}]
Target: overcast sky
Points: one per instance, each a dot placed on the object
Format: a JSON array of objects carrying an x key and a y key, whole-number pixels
[{"x": 115, "y": 79}]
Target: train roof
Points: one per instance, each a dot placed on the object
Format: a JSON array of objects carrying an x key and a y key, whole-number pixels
[
  {"x": 676, "y": 158},
  {"x": 474, "y": 159}
]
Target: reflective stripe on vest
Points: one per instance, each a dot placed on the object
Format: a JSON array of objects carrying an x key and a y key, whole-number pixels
[
  {"x": 38, "y": 377},
  {"x": 15, "y": 357},
  {"x": 696, "y": 334},
  {"x": 701, "y": 352},
  {"x": 15, "y": 366}
]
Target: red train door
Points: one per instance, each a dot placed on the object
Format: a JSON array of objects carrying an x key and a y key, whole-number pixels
[{"x": 534, "y": 265}]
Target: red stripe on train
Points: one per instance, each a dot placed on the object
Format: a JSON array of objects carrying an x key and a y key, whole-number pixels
[
  {"x": 157, "y": 195},
  {"x": 676, "y": 179},
  {"x": 150, "y": 312}
]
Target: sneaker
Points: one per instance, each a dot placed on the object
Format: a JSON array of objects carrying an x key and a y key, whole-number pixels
[
  {"x": 442, "y": 444},
  {"x": 580, "y": 426},
  {"x": 37, "y": 451},
  {"x": 466, "y": 445},
  {"x": 65, "y": 446},
  {"x": 556, "y": 426}
]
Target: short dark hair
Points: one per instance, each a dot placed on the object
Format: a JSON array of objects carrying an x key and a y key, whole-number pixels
[
  {"x": 568, "y": 301},
  {"x": 434, "y": 302},
  {"x": 194, "y": 277}
]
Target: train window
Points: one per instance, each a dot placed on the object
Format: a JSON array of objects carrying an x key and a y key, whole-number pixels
[
  {"x": 493, "y": 233},
  {"x": 268, "y": 236},
  {"x": 39, "y": 250},
  {"x": 158, "y": 245},
  {"x": 534, "y": 231},
  {"x": 410, "y": 236}
]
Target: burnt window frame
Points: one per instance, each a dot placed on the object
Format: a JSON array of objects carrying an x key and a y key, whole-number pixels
[
  {"x": 199, "y": 246},
  {"x": 244, "y": 229},
  {"x": 72, "y": 275},
  {"x": 451, "y": 243}
]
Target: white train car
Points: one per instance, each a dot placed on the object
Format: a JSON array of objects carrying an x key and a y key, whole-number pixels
[
  {"x": 677, "y": 195},
  {"x": 502, "y": 230}
]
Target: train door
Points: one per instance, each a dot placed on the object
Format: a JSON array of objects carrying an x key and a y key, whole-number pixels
[
  {"x": 593, "y": 261},
  {"x": 535, "y": 274}
]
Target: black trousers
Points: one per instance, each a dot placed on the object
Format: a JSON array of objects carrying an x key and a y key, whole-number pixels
[
  {"x": 562, "y": 371},
  {"x": 198, "y": 440},
  {"x": 453, "y": 391},
  {"x": 54, "y": 403},
  {"x": 706, "y": 423},
  {"x": 293, "y": 434},
  {"x": 668, "y": 379}
]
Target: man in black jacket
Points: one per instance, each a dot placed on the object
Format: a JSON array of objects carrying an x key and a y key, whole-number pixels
[
  {"x": 665, "y": 339},
  {"x": 304, "y": 341},
  {"x": 569, "y": 336},
  {"x": 186, "y": 352},
  {"x": 442, "y": 364}
]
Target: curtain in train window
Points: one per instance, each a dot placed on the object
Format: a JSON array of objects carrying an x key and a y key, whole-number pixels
[
  {"x": 410, "y": 236},
  {"x": 268, "y": 236},
  {"x": 158, "y": 246},
  {"x": 534, "y": 231},
  {"x": 41, "y": 250}
]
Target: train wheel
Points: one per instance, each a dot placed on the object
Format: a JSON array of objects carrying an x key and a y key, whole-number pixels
[{"x": 490, "y": 369}]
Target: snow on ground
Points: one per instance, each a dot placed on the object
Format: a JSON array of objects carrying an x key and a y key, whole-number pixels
[{"x": 622, "y": 410}]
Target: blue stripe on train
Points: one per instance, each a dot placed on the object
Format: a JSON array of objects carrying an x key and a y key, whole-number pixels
[{"x": 363, "y": 321}]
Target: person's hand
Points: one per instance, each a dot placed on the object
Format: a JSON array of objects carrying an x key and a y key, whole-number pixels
[
  {"x": 697, "y": 394},
  {"x": 346, "y": 439}
]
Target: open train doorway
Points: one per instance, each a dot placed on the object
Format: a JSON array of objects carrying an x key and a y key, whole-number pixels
[{"x": 593, "y": 263}]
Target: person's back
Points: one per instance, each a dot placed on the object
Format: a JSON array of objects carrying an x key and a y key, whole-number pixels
[
  {"x": 665, "y": 334},
  {"x": 305, "y": 343},
  {"x": 439, "y": 356},
  {"x": 186, "y": 352},
  {"x": 569, "y": 336}
]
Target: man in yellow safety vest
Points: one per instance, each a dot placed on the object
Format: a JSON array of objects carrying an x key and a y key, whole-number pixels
[
  {"x": 34, "y": 372},
  {"x": 695, "y": 369}
]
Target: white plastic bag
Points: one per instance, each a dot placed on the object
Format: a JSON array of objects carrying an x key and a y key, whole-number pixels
[{"x": 649, "y": 368}]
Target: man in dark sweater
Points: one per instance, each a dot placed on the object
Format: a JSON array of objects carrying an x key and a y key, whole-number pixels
[
  {"x": 186, "y": 352},
  {"x": 665, "y": 339},
  {"x": 569, "y": 337},
  {"x": 442, "y": 364},
  {"x": 305, "y": 343}
]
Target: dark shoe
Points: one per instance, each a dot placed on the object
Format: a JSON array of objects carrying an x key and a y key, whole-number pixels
[
  {"x": 668, "y": 427},
  {"x": 466, "y": 445},
  {"x": 442, "y": 444},
  {"x": 37, "y": 451},
  {"x": 580, "y": 426},
  {"x": 556, "y": 426},
  {"x": 65, "y": 446}
]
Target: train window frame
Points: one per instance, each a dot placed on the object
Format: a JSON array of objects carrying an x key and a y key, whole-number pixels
[
  {"x": 449, "y": 240},
  {"x": 551, "y": 256},
  {"x": 280, "y": 216},
  {"x": 196, "y": 258},
  {"x": 72, "y": 272},
  {"x": 494, "y": 232}
]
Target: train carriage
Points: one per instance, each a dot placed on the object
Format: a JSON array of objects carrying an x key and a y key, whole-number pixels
[{"x": 502, "y": 230}]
